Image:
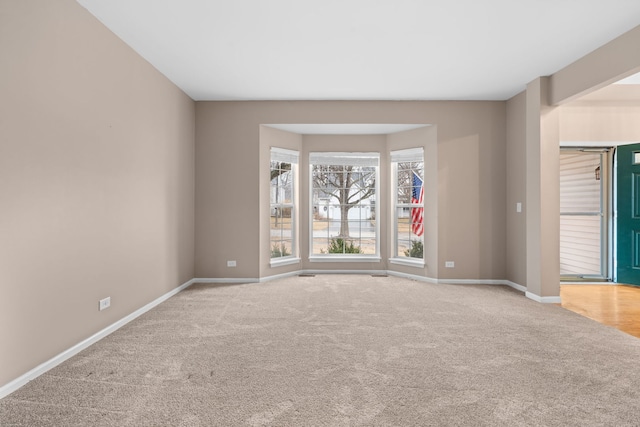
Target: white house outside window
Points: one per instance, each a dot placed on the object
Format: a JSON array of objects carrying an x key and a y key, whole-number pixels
[
  {"x": 344, "y": 192},
  {"x": 408, "y": 192}
]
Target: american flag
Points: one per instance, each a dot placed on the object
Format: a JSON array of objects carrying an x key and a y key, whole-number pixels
[{"x": 417, "y": 214}]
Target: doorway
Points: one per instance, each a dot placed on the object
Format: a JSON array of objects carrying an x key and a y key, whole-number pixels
[
  {"x": 600, "y": 214},
  {"x": 584, "y": 214},
  {"x": 627, "y": 256}
]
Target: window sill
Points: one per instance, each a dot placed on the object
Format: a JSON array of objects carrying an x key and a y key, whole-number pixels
[
  {"x": 345, "y": 258},
  {"x": 419, "y": 263},
  {"x": 279, "y": 262}
]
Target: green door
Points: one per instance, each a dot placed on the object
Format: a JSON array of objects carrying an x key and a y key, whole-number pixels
[{"x": 628, "y": 211}]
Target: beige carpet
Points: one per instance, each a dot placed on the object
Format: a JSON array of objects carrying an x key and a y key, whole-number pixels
[{"x": 344, "y": 351}]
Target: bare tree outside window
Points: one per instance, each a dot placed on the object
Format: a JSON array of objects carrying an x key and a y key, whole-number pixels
[
  {"x": 347, "y": 185},
  {"x": 343, "y": 191},
  {"x": 281, "y": 182}
]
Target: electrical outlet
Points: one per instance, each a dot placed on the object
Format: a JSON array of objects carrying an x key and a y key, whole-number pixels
[
  {"x": 449, "y": 264},
  {"x": 104, "y": 303},
  {"x": 231, "y": 263}
]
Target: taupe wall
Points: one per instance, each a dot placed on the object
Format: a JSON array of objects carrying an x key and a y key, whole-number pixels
[
  {"x": 600, "y": 121},
  {"x": 96, "y": 181},
  {"x": 605, "y": 65},
  {"x": 471, "y": 178},
  {"x": 516, "y": 246}
]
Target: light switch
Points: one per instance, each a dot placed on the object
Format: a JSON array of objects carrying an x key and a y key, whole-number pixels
[{"x": 518, "y": 207}]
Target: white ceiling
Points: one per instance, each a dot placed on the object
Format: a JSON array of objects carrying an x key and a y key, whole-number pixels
[
  {"x": 362, "y": 49},
  {"x": 631, "y": 80}
]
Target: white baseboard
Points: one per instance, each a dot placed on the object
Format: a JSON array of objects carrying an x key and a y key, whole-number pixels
[
  {"x": 14, "y": 385},
  {"x": 342, "y": 272},
  {"x": 368, "y": 272},
  {"x": 472, "y": 281},
  {"x": 227, "y": 280},
  {"x": 509, "y": 283},
  {"x": 279, "y": 276},
  {"x": 412, "y": 276},
  {"x": 544, "y": 300},
  {"x": 523, "y": 289},
  {"x": 515, "y": 286},
  {"x": 374, "y": 272}
]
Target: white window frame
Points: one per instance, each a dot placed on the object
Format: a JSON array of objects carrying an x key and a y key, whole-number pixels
[
  {"x": 413, "y": 155},
  {"x": 292, "y": 157},
  {"x": 345, "y": 158}
]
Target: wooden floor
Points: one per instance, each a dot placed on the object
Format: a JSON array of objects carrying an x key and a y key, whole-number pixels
[{"x": 613, "y": 305}]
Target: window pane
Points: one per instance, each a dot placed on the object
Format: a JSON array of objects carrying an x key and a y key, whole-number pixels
[
  {"x": 334, "y": 228},
  {"x": 320, "y": 245},
  {"x": 343, "y": 207},
  {"x": 404, "y": 245},
  {"x": 409, "y": 214},
  {"x": 281, "y": 249},
  {"x": 282, "y": 197}
]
